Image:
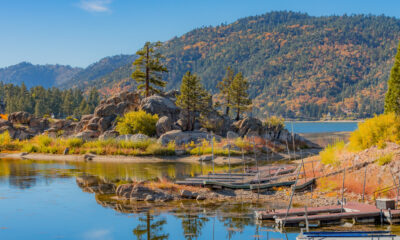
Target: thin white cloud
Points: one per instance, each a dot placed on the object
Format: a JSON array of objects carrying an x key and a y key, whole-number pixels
[
  {"x": 95, "y": 5},
  {"x": 99, "y": 234}
]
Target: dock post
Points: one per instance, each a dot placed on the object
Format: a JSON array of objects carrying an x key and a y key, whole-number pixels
[
  {"x": 344, "y": 175},
  {"x": 291, "y": 198},
  {"x": 212, "y": 152},
  {"x": 306, "y": 215},
  {"x": 365, "y": 179},
  {"x": 258, "y": 171},
  {"x": 287, "y": 147},
  {"x": 294, "y": 145},
  {"x": 390, "y": 217},
  {"x": 381, "y": 216}
]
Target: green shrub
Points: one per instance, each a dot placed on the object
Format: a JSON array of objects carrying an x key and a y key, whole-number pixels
[
  {"x": 384, "y": 159},
  {"x": 74, "y": 142},
  {"x": 137, "y": 122},
  {"x": 329, "y": 154},
  {"x": 375, "y": 132}
]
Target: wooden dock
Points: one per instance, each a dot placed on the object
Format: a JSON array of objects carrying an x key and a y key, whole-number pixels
[
  {"x": 322, "y": 216},
  {"x": 267, "y": 177}
]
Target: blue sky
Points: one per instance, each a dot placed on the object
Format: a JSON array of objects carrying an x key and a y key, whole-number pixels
[{"x": 80, "y": 32}]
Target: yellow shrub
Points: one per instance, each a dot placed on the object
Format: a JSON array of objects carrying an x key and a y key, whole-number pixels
[
  {"x": 376, "y": 131},
  {"x": 5, "y": 138},
  {"x": 43, "y": 140},
  {"x": 137, "y": 122},
  {"x": 74, "y": 142},
  {"x": 384, "y": 159},
  {"x": 275, "y": 122},
  {"x": 329, "y": 154},
  {"x": 4, "y": 116}
]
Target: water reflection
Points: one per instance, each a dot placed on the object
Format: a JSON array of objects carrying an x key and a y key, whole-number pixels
[{"x": 59, "y": 204}]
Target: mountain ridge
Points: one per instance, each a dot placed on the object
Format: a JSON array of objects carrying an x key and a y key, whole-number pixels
[{"x": 298, "y": 66}]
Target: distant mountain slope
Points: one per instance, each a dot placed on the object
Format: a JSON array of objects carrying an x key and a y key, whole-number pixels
[
  {"x": 62, "y": 76},
  {"x": 33, "y": 75},
  {"x": 99, "y": 69},
  {"x": 298, "y": 65}
]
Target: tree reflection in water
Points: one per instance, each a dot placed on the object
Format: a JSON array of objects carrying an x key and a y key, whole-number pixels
[{"x": 150, "y": 227}]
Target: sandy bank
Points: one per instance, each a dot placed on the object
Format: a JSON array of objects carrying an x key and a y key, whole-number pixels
[{"x": 118, "y": 159}]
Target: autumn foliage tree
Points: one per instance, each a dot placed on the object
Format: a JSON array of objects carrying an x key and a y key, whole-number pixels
[
  {"x": 193, "y": 99},
  {"x": 149, "y": 69},
  {"x": 240, "y": 97},
  {"x": 392, "y": 98}
]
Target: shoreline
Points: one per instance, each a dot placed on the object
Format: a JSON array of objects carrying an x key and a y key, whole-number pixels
[
  {"x": 219, "y": 160},
  {"x": 117, "y": 158}
]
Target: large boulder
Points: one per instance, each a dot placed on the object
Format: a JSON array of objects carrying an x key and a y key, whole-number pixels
[
  {"x": 4, "y": 123},
  {"x": 184, "y": 137},
  {"x": 164, "y": 124},
  {"x": 39, "y": 124},
  {"x": 105, "y": 110},
  {"x": 105, "y": 123},
  {"x": 88, "y": 135},
  {"x": 249, "y": 126},
  {"x": 161, "y": 106},
  {"x": 109, "y": 135},
  {"x": 216, "y": 123},
  {"x": 20, "y": 118},
  {"x": 133, "y": 137}
]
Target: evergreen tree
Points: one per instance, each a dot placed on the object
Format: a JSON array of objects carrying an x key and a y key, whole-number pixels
[
  {"x": 149, "y": 69},
  {"x": 193, "y": 100},
  {"x": 93, "y": 101},
  {"x": 238, "y": 92},
  {"x": 224, "y": 87},
  {"x": 392, "y": 98}
]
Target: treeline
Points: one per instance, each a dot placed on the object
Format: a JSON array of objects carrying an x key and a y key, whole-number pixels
[{"x": 52, "y": 101}]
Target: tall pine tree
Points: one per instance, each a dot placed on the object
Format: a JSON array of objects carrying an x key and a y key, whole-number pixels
[
  {"x": 238, "y": 92},
  {"x": 149, "y": 69},
  {"x": 224, "y": 87},
  {"x": 194, "y": 99},
  {"x": 392, "y": 98}
]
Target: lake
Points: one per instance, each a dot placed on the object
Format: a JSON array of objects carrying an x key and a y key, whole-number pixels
[
  {"x": 41, "y": 200},
  {"x": 321, "y": 127}
]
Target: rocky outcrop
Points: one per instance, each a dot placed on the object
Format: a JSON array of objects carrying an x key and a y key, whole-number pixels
[
  {"x": 103, "y": 121},
  {"x": 181, "y": 137},
  {"x": 164, "y": 124},
  {"x": 20, "y": 118},
  {"x": 249, "y": 126},
  {"x": 139, "y": 192},
  {"x": 133, "y": 137},
  {"x": 161, "y": 106}
]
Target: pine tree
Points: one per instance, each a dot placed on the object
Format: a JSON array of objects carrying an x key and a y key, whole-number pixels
[
  {"x": 392, "y": 98},
  {"x": 224, "y": 87},
  {"x": 238, "y": 92},
  {"x": 194, "y": 99},
  {"x": 149, "y": 69}
]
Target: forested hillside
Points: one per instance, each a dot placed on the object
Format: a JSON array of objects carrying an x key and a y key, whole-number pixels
[
  {"x": 37, "y": 75},
  {"x": 298, "y": 66}
]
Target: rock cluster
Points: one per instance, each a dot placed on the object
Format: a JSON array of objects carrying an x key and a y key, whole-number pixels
[{"x": 171, "y": 126}]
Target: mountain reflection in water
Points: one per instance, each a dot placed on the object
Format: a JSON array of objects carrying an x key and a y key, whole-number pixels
[{"x": 43, "y": 200}]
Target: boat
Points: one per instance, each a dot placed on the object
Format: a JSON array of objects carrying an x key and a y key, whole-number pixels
[{"x": 365, "y": 235}]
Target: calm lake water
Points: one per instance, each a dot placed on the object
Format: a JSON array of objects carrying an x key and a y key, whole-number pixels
[
  {"x": 41, "y": 200},
  {"x": 321, "y": 127}
]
